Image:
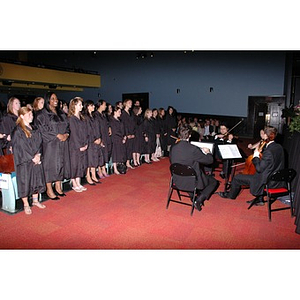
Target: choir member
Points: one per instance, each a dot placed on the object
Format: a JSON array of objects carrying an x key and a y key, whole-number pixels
[
  {"x": 138, "y": 141},
  {"x": 171, "y": 124},
  {"x": 78, "y": 143},
  {"x": 149, "y": 136},
  {"x": 94, "y": 150},
  {"x": 129, "y": 125},
  {"x": 119, "y": 139},
  {"x": 9, "y": 123},
  {"x": 54, "y": 127},
  {"x": 156, "y": 130},
  {"x": 163, "y": 130},
  {"x": 27, "y": 149},
  {"x": 105, "y": 132}
]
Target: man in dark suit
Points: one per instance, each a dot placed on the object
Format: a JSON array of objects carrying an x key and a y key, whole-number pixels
[
  {"x": 271, "y": 161},
  {"x": 187, "y": 154}
]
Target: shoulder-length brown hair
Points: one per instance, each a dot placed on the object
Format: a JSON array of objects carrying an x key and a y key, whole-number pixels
[
  {"x": 72, "y": 105},
  {"x": 35, "y": 104}
]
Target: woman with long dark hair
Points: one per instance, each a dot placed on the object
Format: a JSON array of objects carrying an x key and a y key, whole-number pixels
[
  {"x": 118, "y": 138},
  {"x": 54, "y": 127},
  {"x": 105, "y": 131},
  {"x": 78, "y": 143},
  {"x": 27, "y": 149},
  {"x": 94, "y": 150}
]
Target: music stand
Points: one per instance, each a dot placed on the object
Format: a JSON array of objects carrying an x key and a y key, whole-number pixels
[{"x": 229, "y": 152}]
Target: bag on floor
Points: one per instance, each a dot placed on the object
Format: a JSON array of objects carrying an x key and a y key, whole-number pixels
[
  {"x": 158, "y": 151},
  {"x": 121, "y": 167}
]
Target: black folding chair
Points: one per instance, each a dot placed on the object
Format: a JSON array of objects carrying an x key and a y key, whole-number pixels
[
  {"x": 285, "y": 176},
  {"x": 183, "y": 180}
]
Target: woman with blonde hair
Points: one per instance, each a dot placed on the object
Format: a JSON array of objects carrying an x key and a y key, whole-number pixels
[
  {"x": 149, "y": 136},
  {"x": 78, "y": 143},
  {"x": 27, "y": 149},
  {"x": 9, "y": 122}
]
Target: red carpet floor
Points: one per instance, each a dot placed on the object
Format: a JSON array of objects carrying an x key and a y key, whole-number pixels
[{"x": 129, "y": 212}]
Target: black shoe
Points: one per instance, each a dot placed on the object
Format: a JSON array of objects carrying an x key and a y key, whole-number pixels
[
  {"x": 198, "y": 205},
  {"x": 224, "y": 195},
  {"x": 200, "y": 202},
  {"x": 55, "y": 198},
  {"x": 222, "y": 175},
  {"x": 258, "y": 202},
  {"x": 61, "y": 195}
]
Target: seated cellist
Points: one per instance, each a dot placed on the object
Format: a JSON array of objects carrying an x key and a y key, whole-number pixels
[
  {"x": 260, "y": 146},
  {"x": 272, "y": 160}
]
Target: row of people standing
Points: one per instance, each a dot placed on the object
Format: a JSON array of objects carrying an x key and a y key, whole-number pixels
[{"x": 76, "y": 145}]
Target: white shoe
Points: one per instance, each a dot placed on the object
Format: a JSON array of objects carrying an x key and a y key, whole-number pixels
[{"x": 77, "y": 189}]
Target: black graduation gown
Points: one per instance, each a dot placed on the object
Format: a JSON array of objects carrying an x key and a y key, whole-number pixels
[
  {"x": 30, "y": 177},
  {"x": 94, "y": 151},
  {"x": 106, "y": 138},
  {"x": 149, "y": 131},
  {"x": 56, "y": 153},
  {"x": 138, "y": 141},
  {"x": 129, "y": 126},
  {"x": 118, "y": 133},
  {"x": 163, "y": 133},
  {"x": 78, "y": 139},
  {"x": 171, "y": 124},
  {"x": 7, "y": 125}
]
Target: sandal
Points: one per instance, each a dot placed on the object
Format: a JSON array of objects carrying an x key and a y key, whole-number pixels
[
  {"x": 77, "y": 189},
  {"x": 27, "y": 210},
  {"x": 38, "y": 204}
]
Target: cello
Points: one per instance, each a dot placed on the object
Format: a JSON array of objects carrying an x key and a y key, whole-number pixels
[{"x": 249, "y": 166}]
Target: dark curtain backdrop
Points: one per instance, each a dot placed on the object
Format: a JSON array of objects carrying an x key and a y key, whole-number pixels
[{"x": 292, "y": 146}]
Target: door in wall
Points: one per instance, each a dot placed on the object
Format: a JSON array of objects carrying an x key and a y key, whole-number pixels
[{"x": 263, "y": 111}]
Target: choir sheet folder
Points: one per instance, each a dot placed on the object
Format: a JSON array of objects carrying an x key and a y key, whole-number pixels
[
  {"x": 229, "y": 151},
  {"x": 210, "y": 146}
]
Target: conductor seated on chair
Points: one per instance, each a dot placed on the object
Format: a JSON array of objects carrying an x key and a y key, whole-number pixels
[
  {"x": 272, "y": 160},
  {"x": 187, "y": 154}
]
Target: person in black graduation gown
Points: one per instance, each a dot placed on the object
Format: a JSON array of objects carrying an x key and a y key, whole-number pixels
[
  {"x": 94, "y": 150},
  {"x": 138, "y": 141},
  {"x": 118, "y": 139},
  {"x": 129, "y": 125},
  {"x": 9, "y": 123},
  {"x": 27, "y": 149},
  {"x": 149, "y": 136},
  {"x": 171, "y": 124},
  {"x": 105, "y": 131},
  {"x": 54, "y": 127},
  {"x": 78, "y": 143},
  {"x": 163, "y": 130},
  {"x": 156, "y": 127}
]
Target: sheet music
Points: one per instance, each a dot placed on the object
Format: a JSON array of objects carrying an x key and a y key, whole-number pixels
[
  {"x": 210, "y": 146},
  {"x": 229, "y": 151}
]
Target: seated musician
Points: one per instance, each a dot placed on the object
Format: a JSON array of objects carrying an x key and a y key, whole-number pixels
[
  {"x": 272, "y": 160},
  {"x": 224, "y": 138},
  {"x": 187, "y": 154}
]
